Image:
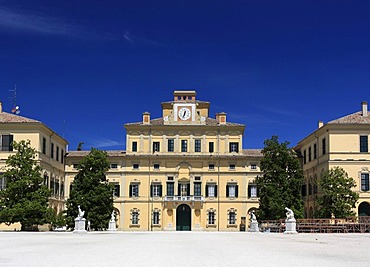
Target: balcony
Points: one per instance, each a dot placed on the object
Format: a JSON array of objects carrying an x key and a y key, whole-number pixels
[
  {"x": 184, "y": 198},
  {"x": 194, "y": 201}
]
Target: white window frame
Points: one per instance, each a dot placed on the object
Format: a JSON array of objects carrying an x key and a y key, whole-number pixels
[
  {"x": 253, "y": 189},
  {"x": 231, "y": 217},
  {"x": 156, "y": 217},
  {"x": 232, "y": 190},
  {"x": 134, "y": 190},
  {"x": 156, "y": 188},
  {"x": 211, "y": 190}
]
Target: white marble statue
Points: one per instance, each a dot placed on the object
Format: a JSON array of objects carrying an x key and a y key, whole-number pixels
[
  {"x": 289, "y": 214},
  {"x": 80, "y": 213},
  {"x": 253, "y": 217},
  {"x": 113, "y": 217}
]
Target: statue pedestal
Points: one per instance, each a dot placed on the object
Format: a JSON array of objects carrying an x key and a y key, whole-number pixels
[
  {"x": 80, "y": 226},
  {"x": 290, "y": 226},
  {"x": 112, "y": 226},
  {"x": 254, "y": 227}
]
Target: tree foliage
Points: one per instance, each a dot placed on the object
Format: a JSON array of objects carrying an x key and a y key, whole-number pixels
[
  {"x": 25, "y": 198},
  {"x": 91, "y": 190},
  {"x": 280, "y": 184},
  {"x": 335, "y": 194}
]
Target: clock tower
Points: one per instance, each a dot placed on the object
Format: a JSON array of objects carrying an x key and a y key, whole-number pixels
[
  {"x": 185, "y": 109},
  {"x": 184, "y": 106}
]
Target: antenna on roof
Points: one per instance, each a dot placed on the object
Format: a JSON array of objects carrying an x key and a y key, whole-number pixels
[{"x": 15, "y": 109}]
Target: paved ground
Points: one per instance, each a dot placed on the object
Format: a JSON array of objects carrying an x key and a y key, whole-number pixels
[{"x": 183, "y": 249}]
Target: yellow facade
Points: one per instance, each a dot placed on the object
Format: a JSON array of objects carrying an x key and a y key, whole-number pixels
[
  {"x": 50, "y": 147},
  {"x": 344, "y": 143},
  {"x": 183, "y": 171},
  {"x": 188, "y": 171}
]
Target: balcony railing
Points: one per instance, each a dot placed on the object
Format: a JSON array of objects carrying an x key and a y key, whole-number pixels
[{"x": 184, "y": 198}]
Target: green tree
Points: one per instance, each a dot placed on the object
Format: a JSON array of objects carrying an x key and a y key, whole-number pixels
[
  {"x": 25, "y": 198},
  {"x": 280, "y": 184},
  {"x": 335, "y": 194},
  {"x": 58, "y": 219},
  {"x": 91, "y": 190}
]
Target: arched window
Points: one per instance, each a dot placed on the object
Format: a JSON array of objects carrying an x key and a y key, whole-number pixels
[{"x": 364, "y": 209}]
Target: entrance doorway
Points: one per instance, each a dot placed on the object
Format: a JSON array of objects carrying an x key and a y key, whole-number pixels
[
  {"x": 183, "y": 218},
  {"x": 364, "y": 209}
]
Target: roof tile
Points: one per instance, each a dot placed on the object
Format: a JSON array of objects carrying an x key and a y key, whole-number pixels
[{"x": 12, "y": 118}]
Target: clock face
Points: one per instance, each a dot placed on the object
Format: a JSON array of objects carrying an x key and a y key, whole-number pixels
[{"x": 184, "y": 114}]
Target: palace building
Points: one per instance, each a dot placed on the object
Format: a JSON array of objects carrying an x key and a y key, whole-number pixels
[
  {"x": 187, "y": 170},
  {"x": 183, "y": 171},
  {"x": 342, "y": 142},
  {"x": 51, "y": 151}
]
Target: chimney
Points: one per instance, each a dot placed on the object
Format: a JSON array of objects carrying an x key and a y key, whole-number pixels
[
  {"x": 321, "y": 123},
  {"x": 221, "y": 118},
  {"x": 364, "y": 108},
  {"x": 146, "y": 118},
  {"x": 1, "y": 106}
]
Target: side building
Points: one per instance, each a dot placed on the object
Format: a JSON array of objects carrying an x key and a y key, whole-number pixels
[
  {"x": 344, "y": 143},
  {"x": 50, "y": 147},
  {"x": 182, "y": 171}
]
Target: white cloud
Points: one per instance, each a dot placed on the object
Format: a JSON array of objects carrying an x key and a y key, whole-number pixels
[
  {"x": 104, "y": 143},
  {"x": 24, "y": 20}
]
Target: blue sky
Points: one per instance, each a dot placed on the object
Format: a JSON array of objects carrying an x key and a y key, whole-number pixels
[{"x": 85, "y": 68}]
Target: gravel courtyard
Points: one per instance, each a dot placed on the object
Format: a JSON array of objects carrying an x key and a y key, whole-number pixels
[{"x": 183, "y": 249}]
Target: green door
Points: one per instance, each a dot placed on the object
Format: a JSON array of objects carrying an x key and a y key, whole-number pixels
[{"x": 183, "y": 218}]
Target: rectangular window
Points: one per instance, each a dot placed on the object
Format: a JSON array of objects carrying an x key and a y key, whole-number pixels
[
  {"x": 304, "y": 157},
  {"x": 253, "y": 167},
  {"x": 304, "y": 190},
  {"x": 211, "y": 167},
  {"x": 231, "y": 166},
  {"x": 156, "y": 190},
  {"x": 57, "y": 188},
  {"x": 231, "y": 190},
  {"x": 156, "y": 166},
  {"x": 62, "y": 189},
  {"x": 6, "y": 142},
  {"x": 170, "y": 189},
  {"x": 135, "y": 166},
  {"x": 116, "y": 190},
  {"x": 156, "y": 146},
  {"x": 57, "y": 154},
  {"x": 134, "y": 190},
  {"x": 43, "y": 145},
  {"x": 184, "y": 190},
  {"x": 155, "y": 217},
  {"x": 211, "y": 190},
  {"x": 315, "y": 151},
  {"x": 135, "y": 217},
  {"x": 309, "y": 154},
  {"x": 232, "y": 217},
  {"x": 364, "y": 182},
  {"x": 184, "y": 145},
  {"x": 211, "y": 147},
  {"x": 211, "y": 217},
  {"x": 114, "y": 166},
  {"x": 2, "y": 183},
  {"x": 198, "y": 145},
  {"x": 323, "y": 146},
  {"x": 62, "y": 156},
  {"x": 364, "y": 147},
  {"x": 171, "y": 145},
  {"x": 52, "y": 186},
  {"x": 134, "y": 146},
  {"x": 197, "y": 189},
  {"x": 252, "y": 191},
  {"x": 52, "y": 151},
  {"x": 234, "y": 147}
]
